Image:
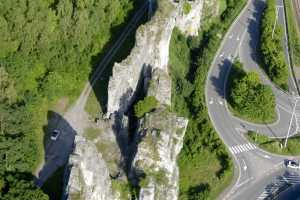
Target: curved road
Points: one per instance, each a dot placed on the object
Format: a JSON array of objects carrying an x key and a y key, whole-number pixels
[{"x": 253, "y": 167}]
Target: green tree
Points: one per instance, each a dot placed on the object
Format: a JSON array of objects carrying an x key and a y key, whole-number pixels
[
  {"x": 20, "y": 187},
  {"x": 144, "y": 106},
  {"x": 249, "y": 97}
]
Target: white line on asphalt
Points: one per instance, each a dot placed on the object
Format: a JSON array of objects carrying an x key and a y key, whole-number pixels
[
  {"x": 243, "y": 147},
  {"x": 245, "y": 166}
]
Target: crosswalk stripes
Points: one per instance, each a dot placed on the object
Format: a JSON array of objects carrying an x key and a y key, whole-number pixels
[{"x": 242, "y": 148}]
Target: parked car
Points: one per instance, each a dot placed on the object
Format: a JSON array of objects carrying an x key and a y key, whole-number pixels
[
  {"x": 293, "y": 164},
  {"x": 55, "y": 134}
]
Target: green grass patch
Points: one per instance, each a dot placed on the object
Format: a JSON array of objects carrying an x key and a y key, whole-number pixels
[
  {"x": 92, "y": 133},
  {"x": 186, "y": 8},
  {"x": 274, "y": 145},
  {"x": 122, "y": 187},
  {"x": 200, "y": 176},
  {"x": 54, "y": 184},
  {"x": 293, "y": 33},
  {"x": 222, "y": 5}
]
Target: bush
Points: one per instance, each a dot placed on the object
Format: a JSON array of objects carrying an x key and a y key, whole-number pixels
[
  {"x": 186, "y": 8},
  {"x": 271, "y": 47},
  {"x": 144, "y": 106},
  {"x": 249, "y": 98}
]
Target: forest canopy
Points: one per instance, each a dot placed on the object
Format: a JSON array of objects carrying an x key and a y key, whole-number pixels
[{"x": 48, "y": 48}]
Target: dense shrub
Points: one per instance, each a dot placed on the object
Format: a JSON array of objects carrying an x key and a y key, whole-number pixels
[
  {"x": 186, "y": 8},
  {"x": 271, "y": 47},
  {"x": 249, "y": 97},
  {"x": 144, "y": 106}
]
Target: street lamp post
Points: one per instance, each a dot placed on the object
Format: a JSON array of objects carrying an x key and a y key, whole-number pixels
[
  {"x": 288, "y": 133},
  {"x": 275, "y": 22}
]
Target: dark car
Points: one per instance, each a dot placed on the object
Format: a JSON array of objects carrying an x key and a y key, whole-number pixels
[{"x": 55, "y": 134}]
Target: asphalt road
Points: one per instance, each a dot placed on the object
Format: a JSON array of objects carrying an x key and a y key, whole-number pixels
[{"x": 253, "y": 166}]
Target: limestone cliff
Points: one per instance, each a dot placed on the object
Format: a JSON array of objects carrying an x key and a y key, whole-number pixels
[
  {"x": 98, "y": 162},
  {"x": 89, "y": 177},
  {"x": 151, "y": 50},
  {"x": 155, "y": 161}
]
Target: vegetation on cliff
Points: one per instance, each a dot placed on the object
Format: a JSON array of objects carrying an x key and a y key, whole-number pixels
[
  {"x": 48, "y": 49},
  {"x": 205, "y": 166},
  {"x": 144, "y": 106}
]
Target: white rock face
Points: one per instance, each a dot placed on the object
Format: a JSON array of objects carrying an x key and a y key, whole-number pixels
[
  {"x": 151, "y": 50},
  {"x": 89, "y": 177},
  {"x": 157, "y": 153},
  {"x": 189, "y": 23},
  {"x": 160, "y": 86}
]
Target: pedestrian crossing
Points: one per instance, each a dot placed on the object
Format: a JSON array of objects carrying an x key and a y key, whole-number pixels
[{"x": 242, "y": 148}]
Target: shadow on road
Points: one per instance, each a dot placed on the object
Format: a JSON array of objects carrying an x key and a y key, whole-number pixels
[
  {"x": 219, "y": 81},
  {"x": 254, "y": 30},
  {"x": 57, "y": 151}
]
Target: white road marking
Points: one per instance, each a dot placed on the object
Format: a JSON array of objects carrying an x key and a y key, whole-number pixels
[
  {"x": 230, "y": 36},
  {"x": 220, "y": 102},
  {"x": 245, "y": 166},
  {"x": 242, "y": 148},
  {"x": 211, "y": 101},
  {"x": 266, "y": 156}
]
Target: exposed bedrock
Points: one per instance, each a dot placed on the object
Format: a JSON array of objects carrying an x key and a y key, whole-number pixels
[{"x": 151, "y": 50}]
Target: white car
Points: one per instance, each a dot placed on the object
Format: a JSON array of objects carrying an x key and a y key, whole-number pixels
[
  {"x": 55, "y": 134},
  {"x": 293, "y": 164}
]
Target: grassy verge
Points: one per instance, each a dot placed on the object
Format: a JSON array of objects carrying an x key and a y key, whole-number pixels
[
  {"x": 293, "y": 32},
  {"x": 271, "y": 47},
  {"x": 273, "y": 145},
  {"x": 205, "y": 165}
]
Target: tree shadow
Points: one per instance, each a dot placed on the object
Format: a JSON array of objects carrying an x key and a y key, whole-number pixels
[
  {"x": 219, "y": 81},
  {"x": 254, "y": 29},
  {"x": 57, "y": 151}
]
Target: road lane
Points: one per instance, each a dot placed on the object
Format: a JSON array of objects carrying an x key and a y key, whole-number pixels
[{"x": 251, "y": 165}]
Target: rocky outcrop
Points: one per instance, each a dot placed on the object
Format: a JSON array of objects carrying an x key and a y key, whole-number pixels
[
  {"x": 162, "y": 135},
  {"x": 89, "y": 177},
  {"x": 151, "y": 50}
]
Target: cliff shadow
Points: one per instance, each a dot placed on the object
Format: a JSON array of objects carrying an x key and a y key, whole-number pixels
[
  {"x": 57, "y": 151},
  {"x": 219, "y": 81},
  {"x": 115, "y": 51},
  {"x": 125, "y": 123}
]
